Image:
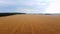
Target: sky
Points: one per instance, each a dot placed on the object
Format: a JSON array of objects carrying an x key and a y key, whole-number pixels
[{"x": 30, "y": 6}]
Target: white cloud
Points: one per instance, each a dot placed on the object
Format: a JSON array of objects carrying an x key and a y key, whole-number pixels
[
  {"x": 53, "y": 8},
  {"x": 31, "y": 2},
  {"x": 27, "y": 10},
  {"x": 53, "y": 0},
  {"x": 39, "y": 6}
]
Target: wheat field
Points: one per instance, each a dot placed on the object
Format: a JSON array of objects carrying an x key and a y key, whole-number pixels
[{"x": 30, "y": 24}]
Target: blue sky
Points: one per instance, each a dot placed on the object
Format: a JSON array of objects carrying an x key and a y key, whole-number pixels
[
  {"x": 30, "y": 6},
  {"x": 8, "y": 6}
]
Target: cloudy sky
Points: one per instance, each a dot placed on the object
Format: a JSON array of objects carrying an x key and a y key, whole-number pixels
[{"x": 30, "y": 6}]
